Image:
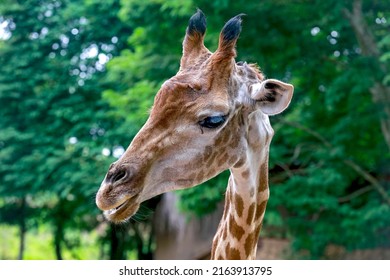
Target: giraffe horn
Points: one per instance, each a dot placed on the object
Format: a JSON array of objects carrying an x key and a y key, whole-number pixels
[
  {"x": 222, "y": 61},
  {"x": 229, "y": 35},
  {"x": 193, "y": 43}
]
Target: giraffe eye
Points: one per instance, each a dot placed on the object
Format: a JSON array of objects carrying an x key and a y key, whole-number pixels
[{"x": 212, "y": 122}]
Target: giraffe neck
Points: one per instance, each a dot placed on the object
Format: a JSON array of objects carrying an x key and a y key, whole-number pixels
[{"x": 246, "y": 197}]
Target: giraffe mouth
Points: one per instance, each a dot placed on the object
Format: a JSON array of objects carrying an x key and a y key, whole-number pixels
[{"x": 123, "y": 211}]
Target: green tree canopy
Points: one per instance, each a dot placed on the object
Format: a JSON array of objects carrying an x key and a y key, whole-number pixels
[{"x": 53, "y": 122}]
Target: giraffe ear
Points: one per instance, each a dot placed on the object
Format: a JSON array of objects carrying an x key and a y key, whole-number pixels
[
  {"x": 273, "y": 95},
  {"x": 193, "y": 44}
]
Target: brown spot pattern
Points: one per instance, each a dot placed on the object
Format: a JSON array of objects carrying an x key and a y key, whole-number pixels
[
  {"x": 240, "y": 162},
  {"x": 200, "y": 176},
  {"x": 263, "y": 177},
  {"x": 245, "y": 174},
  {"x": 250, "y": 243},
  {"x": 233, "y": 159},
  {"x": 239, "y": 204},
  {"x": 260, "y": 209},
  {"x": 235, "y": 229},
  {"x": 258, "y": 228},
  {"x": 211, "y": 159},
  {"x": 223, "y": 157},
  {"x": 234, "y": 254},
  {"x": 227, "y": 249},
  {"x": 251, "y": 213}
]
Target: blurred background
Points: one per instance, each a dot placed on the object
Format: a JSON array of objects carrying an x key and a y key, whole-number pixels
[{"x": 77, "y": 78}]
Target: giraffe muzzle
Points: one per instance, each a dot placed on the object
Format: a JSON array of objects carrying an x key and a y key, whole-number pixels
[
  {"x": 119, "y": 193},
  {"x": 123, "y": 211}
]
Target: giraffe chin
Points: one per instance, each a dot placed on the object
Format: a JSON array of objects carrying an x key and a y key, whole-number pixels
[{"x": 122, "y": 212}]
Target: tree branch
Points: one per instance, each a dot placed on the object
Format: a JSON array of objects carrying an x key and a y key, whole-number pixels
[
  {"x": 366, "y": 40},
  {"x": 355, "y": 194},
  {"x": 350, "y": 163},
  {"x": 362, "y": 31}
]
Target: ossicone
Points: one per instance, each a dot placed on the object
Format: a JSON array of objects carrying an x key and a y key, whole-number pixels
[
  {"x": 223, "y": 58},
  {"x": 229, "y": 35},
  {"x": 232, "y": 28},
  {"x": 197, "y": 24},
  {"x": 193, "y": 45}
]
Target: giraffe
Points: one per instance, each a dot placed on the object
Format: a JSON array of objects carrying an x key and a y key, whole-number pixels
[{"x": 211, "y": 116}]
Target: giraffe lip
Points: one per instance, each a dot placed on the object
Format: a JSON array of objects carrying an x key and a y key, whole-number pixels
[
  {"x": 124, "y": 210},
  {"x": 118, "y": 207}
]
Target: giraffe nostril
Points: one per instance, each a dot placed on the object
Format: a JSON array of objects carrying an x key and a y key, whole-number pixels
[
  {"x": 119, "y": 175},
  {"x": 115, "y": 176}
]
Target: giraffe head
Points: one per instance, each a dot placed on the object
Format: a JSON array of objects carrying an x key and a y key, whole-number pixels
[{"x": 199, "y": 125}]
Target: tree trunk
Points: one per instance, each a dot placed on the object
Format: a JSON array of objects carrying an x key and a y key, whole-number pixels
[
  {"x": 117, "y": 242},
  {"x": 379, "y": 91},
  {"x": 381, "y": 97},
  {"x": 59, "y": 228},
  {"x": 22, "y": 229},
  {"x": 144, "y": 248},
  {"x": 59, "y": 233},
  {"x": 150, "y": 254}
]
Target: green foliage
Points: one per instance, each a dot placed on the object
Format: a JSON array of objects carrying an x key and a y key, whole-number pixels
[
  {"x": 385, "y": 57},
  {"x": 203, "y": 199},
  {"x": 53, "y": 119},
  {"x": 61, "y": 105}
]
